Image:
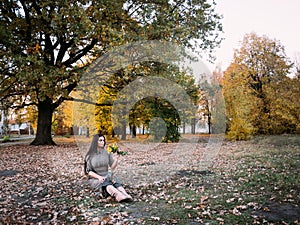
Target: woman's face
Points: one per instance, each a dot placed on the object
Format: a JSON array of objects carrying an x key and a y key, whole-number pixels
[{"x": 101, "y": 141}]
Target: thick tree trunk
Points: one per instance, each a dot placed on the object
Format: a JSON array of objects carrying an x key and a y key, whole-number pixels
[
  {"x": 193, "y": 126},
  {"x": 123, "y": 131},
  {"x": 133, "y": 129},
  {"x": 209, "y": 123},
  {"x": 43, "y": 134}
]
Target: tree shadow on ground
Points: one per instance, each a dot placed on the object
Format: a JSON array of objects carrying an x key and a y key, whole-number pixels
[
  {"x": 275, "y": 212},
  {"x": 4, "y": 173},
  {"x": 183, "y": 173}
]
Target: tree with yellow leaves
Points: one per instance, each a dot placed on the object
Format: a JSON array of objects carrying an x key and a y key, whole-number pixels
[{"x": 251, "y": 85}]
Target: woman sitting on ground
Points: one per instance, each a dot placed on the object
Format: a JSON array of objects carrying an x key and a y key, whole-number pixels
[{"x": 97, "y": 162}]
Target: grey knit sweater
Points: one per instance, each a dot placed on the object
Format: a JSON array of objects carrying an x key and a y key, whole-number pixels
[{"x": 99, "y": 162}]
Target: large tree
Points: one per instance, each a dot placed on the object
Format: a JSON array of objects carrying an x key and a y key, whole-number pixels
[
  {"x": 253, "y": 85},
  {"x": 46, "y": 45}
]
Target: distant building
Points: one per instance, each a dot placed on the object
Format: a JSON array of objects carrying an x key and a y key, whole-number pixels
[
  {"x": 8, "y": 125},
  {"x": 23, "y": 128}
]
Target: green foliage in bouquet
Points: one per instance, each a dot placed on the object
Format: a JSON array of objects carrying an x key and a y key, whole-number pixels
[{"x": 114, "y": 148}]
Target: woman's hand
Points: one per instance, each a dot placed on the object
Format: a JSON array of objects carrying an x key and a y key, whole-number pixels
[
  {"x": 101, "y": 179},
  {"x": 97, "y": 176},
  {"x": 116, "y": 156}
]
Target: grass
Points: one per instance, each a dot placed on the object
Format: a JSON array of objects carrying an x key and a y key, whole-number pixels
[{"x": 267, "y": 174}]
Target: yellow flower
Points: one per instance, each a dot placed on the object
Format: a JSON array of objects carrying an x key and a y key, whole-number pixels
[{"x": 112, "y": 148}]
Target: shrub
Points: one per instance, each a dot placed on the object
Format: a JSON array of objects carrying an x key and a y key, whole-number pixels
[
  {"x": 240, "y": 130},
  {"x": 5, "y": 139}
]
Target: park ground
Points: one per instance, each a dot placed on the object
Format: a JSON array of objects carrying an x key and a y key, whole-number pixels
[{"x": 248, "y": 182}]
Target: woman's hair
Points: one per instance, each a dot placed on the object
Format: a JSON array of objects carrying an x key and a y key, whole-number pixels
[{"x": 93, "y": 148}]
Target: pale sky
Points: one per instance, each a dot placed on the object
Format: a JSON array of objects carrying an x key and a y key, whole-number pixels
[{"x": 276, "y": 19}]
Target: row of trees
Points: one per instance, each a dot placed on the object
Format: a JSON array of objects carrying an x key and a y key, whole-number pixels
[
  {"x": 47, "y": 45},
  {"x": 260, "y": 89},
  {"x": 140, "y": 94}
]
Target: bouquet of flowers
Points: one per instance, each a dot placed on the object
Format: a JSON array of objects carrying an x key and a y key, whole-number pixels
[{"x": 114, "y": 148}]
